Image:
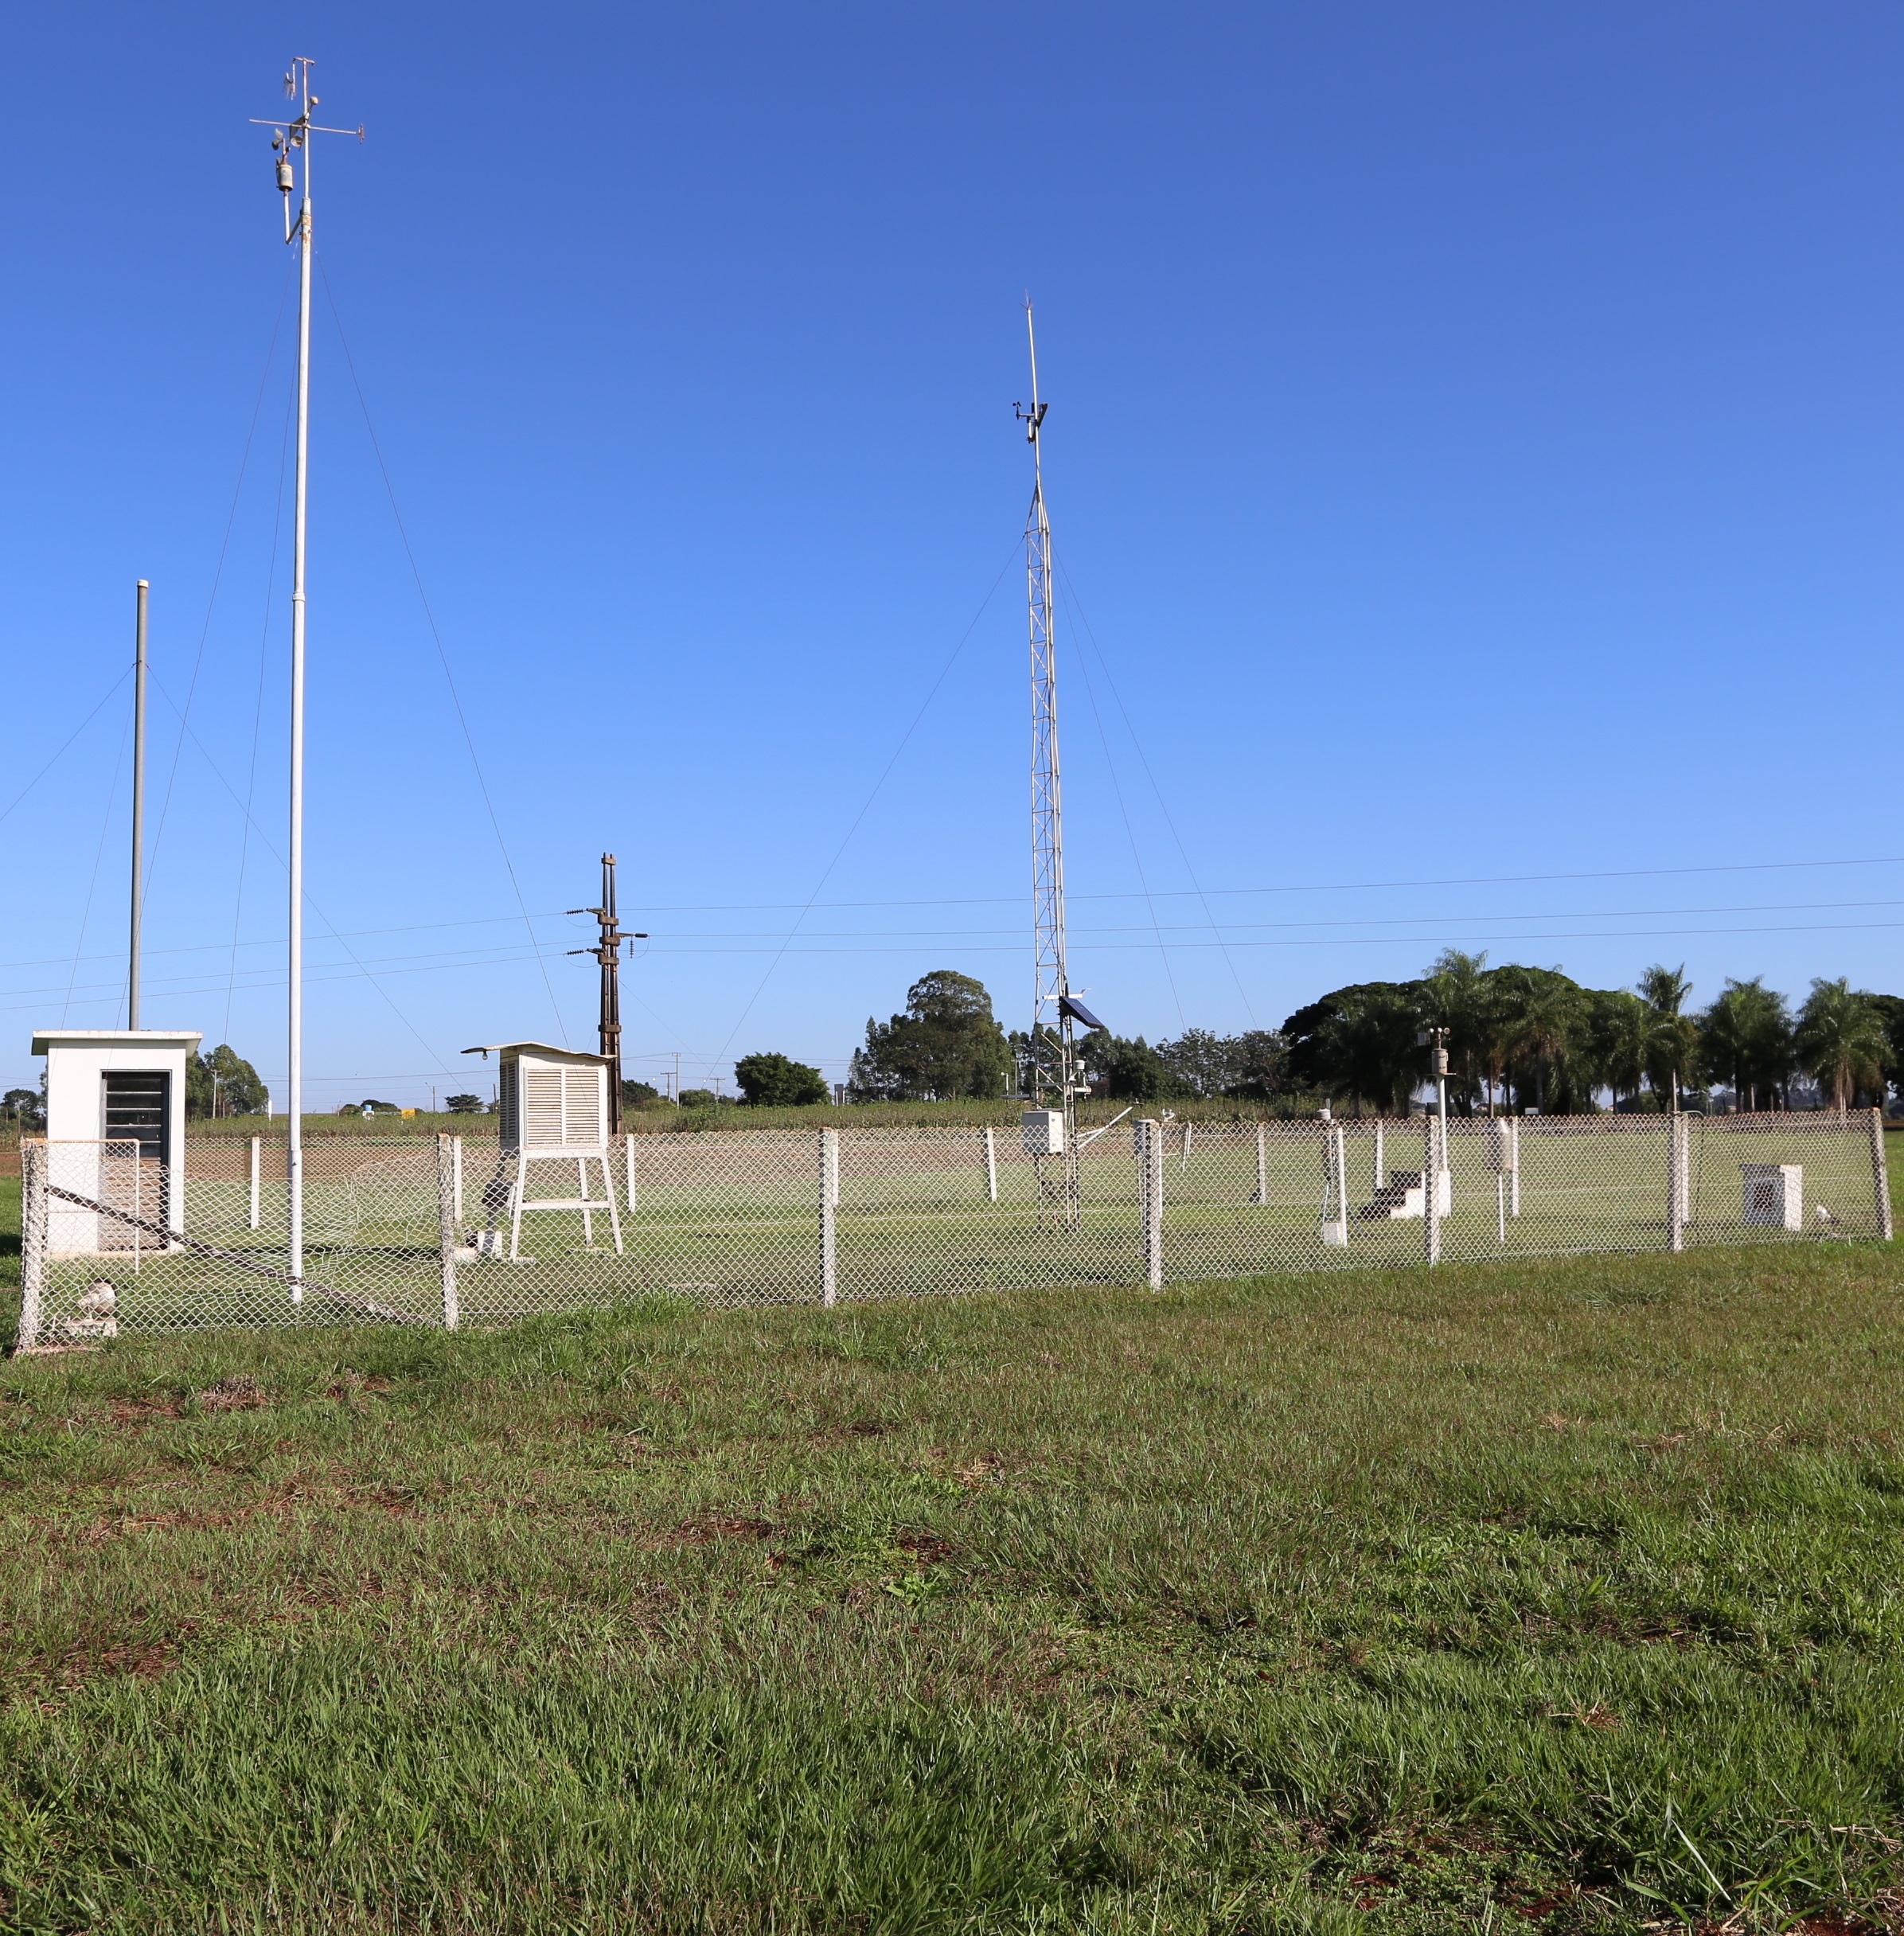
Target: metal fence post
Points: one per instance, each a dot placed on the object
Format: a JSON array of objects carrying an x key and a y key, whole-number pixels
[
  {"x": 628, "y": 1168},
  {"x": 254, "y": 1159},
  {"x": 33, "y": 1242},
  {"x": 830, "y": 1201},
  {"x": 1380, "y": 1157},
  {"x": 1431, "y": 1191},
  {"x": 1150, "y": 1199},
  {"x": 1262, "y": 1165},
  {"x": 1678, "y": 1211},
  {"x": 1879, "y": 1176},
  {"x": 991, "y": 1166},
  {"x": 448, "y": 1151}
]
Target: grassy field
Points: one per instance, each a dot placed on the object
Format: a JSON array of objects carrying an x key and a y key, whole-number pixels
[{"x": 1556, "y": 1596}]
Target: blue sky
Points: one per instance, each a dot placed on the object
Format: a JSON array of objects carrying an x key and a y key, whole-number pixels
[{"x": 1474, "y": 454}]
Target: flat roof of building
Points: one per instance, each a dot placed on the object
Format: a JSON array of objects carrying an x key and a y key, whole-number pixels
[
  {"x": 127, "y": 1037},
  {"x": 541, "y": 1049}
]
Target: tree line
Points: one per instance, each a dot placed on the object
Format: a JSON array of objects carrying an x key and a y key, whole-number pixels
[
  {"x": 1521, "y": 1038},
  {"x": 1518, "y": 1038}
]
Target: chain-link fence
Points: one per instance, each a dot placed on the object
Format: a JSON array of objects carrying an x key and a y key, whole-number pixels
[{"x": 463, "y": 1232}]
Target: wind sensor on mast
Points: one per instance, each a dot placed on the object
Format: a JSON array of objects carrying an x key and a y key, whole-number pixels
[{"x": 293, "y": 138}]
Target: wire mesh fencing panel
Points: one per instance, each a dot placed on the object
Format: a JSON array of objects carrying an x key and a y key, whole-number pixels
[
  {"x": 461, "y": 1231},
  {"x": 1770, "y": 1178},
  {"x": 1247, "y": 1198}
]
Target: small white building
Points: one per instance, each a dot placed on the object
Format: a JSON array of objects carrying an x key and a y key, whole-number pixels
[
  {"x": 112, "y": 1087},
  {"x": 554, "y": 1106}
]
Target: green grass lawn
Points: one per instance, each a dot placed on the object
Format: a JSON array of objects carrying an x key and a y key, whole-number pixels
[{"x": 1547, "y": 1595}]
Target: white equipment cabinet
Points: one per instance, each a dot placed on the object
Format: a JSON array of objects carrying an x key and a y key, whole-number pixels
[
  {"x": 555, "y": 1110},
  {"x": 1774, "y": 1194},
  {"x": 108, "y": 1089}
]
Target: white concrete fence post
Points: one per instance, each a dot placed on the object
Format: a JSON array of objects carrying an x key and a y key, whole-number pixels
[
  {"x": 449, "y": 1148},
  {"x": 991, "y": 1166},
  {"x": 1879, "y": 1176},
  {"x": 1150, "y": 1199},
  {"x": 830, "y": 1204},
  {"x": 255, "y": 1153},
  {"x": 628, "y": 1170},
  {"x": 1262, "y": 1165},
  {"x": 1679, "y": 1211},
  {"x": 32, "y": 1243}
]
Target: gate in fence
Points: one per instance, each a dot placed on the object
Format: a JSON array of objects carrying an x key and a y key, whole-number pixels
[{"x": 438, "y": 1234}]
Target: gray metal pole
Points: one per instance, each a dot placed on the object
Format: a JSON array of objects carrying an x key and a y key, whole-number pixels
[{"x": 139, "y": 804}]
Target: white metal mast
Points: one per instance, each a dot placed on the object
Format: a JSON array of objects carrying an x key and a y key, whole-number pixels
[
  {"x": 1054, "y": 1064},
  {"x": 293, "y": 139}
]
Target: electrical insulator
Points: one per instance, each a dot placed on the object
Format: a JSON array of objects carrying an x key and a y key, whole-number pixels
[{"x": 284, "y": 175}]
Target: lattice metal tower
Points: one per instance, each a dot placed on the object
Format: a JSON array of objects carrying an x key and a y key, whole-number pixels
[{"x": 1054, "y": 1057}]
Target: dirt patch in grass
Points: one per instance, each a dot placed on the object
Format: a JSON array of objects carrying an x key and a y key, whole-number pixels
[
  {"x": 239, "y": 1392},
  {"x": 697, "y": 1532}
]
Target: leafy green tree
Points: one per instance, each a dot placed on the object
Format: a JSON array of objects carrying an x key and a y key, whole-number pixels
[
  {"x": 1128, "y": 1071},
  {"x": 1746, "y": 1040},
  {"x": 224, "y": 1083},
  {"x": 1259, "y": 1065},
  {"x": 947, "y": 1044},
  {"x": 1357, "y": 1042},
  {"x": 1890, "y": 1010},
  {"x": 698, "y": 1098},
  {"x": 468, "y": 1105},
  {"x": 22, "y": 1106},
  {"x": 1201, "y": 1063},
  {"x": 1840, "y": 1041},
  {"x": 637, "y": 1094},
  {"x": 772, "y": 1081},
  {"x": 1370, "y": 1048}
]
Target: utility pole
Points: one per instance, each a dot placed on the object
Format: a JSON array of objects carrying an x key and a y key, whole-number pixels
[
  {"x": 138, "y": 803},
  {"x": 293, "y": 138},
  {"x": 1054, "y": 1057},
  {"x": 607, "y": 951}
]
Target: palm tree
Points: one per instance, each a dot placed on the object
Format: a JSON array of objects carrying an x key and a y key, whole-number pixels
[
  {"x": 1674, "y": 1041},
  {"x": 1745, "y": 1039},
  {"x": 1369, "y": 1050},
  {"x": 1841, "y": 1041},
  {"x": 1456, "y": 995},
  {"x": 1541, "y": 1024},
  {"x": 1620, "y": 1032}
]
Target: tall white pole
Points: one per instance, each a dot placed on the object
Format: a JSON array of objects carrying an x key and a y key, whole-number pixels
[
  {"x": 295, "y": 1166},
  {"x": 292, "y": 140},
  {"x": 139, "y": 807}
]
